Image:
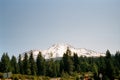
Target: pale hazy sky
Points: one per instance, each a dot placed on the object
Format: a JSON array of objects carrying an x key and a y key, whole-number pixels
[{"x": 38, "y": 24}]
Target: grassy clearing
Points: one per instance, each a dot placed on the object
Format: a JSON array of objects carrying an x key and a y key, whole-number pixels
[
  {"x": 65, "y": 76},
  {"x": 24, "y": 77}
]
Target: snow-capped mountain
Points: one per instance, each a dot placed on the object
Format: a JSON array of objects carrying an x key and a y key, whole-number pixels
[{"x": 57, "y": 51}]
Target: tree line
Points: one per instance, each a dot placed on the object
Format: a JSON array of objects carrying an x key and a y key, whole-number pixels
[{"x": 108, "y": 66}]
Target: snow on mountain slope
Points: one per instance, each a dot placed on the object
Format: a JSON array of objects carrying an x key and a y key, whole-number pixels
[{"x": 57, "y": 51}]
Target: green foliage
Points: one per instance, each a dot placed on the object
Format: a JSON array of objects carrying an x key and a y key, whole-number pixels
[
  {"x": 76, "y": 62},
  {"x": 51, "y": 68},
  {"x": 68, "y": 68},
  {"x": 65, "y": 75},
  {"x": 101, "y": 64},
  {"x": 68, "y": 62},
  {"x": 61, "y": 66},
  {"x": 57, "y": 65},
  {"x": 26, "y": 65},
  {"x": 95, "y": 69},
  {"x": 73, "y": 76},
  {"x": 14, "y": 65},
  {"x": 41, "y": 65},
  {"x": 5, "y": 63},
  {"x": 108, "y": 55},
  {"x": 109, "y": 71},
  {"x": 20, "y": 65},
  {"x": 32, "y": 63},
  {"x": 117, "y": 59}
]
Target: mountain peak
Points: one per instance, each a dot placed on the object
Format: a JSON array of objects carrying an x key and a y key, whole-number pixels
[
  {"x": 61, "y": 44},
  {"x": 57, "y": 50}
]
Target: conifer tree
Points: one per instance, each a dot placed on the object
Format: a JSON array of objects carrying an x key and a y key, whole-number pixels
[
  {"x": 61, "y": 66},
  {"x": 67, "y": 61},
  {"x": 117, "y": 63},
  {"x": 117, "y": 59},
  {"x": 101, "y": 64},
  {"x": 40, "y": 62},
  {"x": 57, "y": 63},
  {"x": 50, "y": 68},
  {"x": 5, "y": 63},
  {"x": 20, "y": 64},
  {"x": 54, "y": 71},
  {"x": 14, "y": 65},
  {"x": 109, "y": 65},
  {"x": 108, "y": 55},
  {"x": 32, "y": 64},
  {"x": 76, "y": 62},
  {"x": 26, "y": 65}
]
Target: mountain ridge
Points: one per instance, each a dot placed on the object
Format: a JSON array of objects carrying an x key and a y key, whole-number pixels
[{"x": 57, "y": 51}]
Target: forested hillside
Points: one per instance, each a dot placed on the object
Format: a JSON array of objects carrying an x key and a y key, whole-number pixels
[{"x": 108, "y": 66}]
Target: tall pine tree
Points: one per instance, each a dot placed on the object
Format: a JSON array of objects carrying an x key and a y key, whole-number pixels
[
  {"x": 40, "y": 62},
  {"x": 67, "y": 62},
  {"x": 14, "y": 65},
  {"x": 20, "y": 64},
  {"x": 5, "y": 63},
  {"x": 32, "y": 64},
  {"x": 109, "y": 65},
  {"x": 76, "y": 62},
  {"x": 26, "y": 65}
]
